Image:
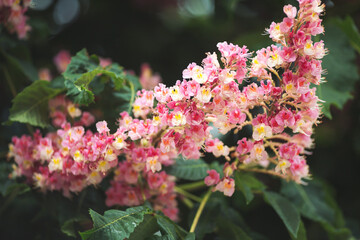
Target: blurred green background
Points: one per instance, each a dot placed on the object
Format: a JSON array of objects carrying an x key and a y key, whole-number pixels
[{"x": 169, "y": 34}]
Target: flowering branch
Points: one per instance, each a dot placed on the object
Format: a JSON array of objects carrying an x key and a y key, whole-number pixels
[{"x": 171, "y": 122}]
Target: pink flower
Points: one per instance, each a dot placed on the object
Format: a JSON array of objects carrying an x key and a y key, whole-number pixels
[
  {"x": 227, "y": 186},
  {"x": 62, "y": 60},
  {"x": 102, "y": 127},
  {"x": 286, "y": 25},
  {"x": 285, "y": 118},
  {"x": 289, "y": 150},
  {"x": 45, "y": 74},
  {"x": 87, "y": 119},
  {"x": 290, "y": 11},
  {"x": 244, "y": 146},
  {"x": 147, "y": 79},
  {"x": 213, "y": 178},
  {"x": 104, "y": 62},
  {"x": 236, "y": 116},
  {"x": 288, "y": 54}
]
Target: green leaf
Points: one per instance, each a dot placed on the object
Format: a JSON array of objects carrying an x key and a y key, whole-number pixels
[
  {"x": 190, "y": 236},
  {"x": 315, "y": 202},
  {"x": 146, "y": 228},
  {"x": 341, "y": 68},
  {"x": 82, "y": 70},
  {"x": 189, "y": 169},
  {"x": 70, "y": 226},
  {"x": 286, "y": 211},
  {"x": 208, "y": 218},
  {"x": 18, "y": 56},
  {"x": 115, "y": 224},
  {"x": 58, "y": 82},
  {"x": 127, "y": 94},
  {"x": 17, "y": 189},
  {"x": 24, "y": 67},
  {"x": 31, "y": 105},
  {"x": 166, "y": 237},
  {"x": 80, "y": 64},
  {"x": 352, "y": 32},
  {"x": 247, "y": 183},
  {"x": 6, "y": 182},
  {"x": 301, "y": 233},
  {"x": 170, "y": 229},
  {"x": 228, "y": 230}
]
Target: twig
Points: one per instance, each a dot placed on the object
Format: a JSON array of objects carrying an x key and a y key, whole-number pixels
[
  {"x": 200, "y": 209},
  {"x": 187, "y": 194}
]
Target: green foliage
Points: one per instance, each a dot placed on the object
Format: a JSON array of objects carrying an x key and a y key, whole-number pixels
[
  {"x": 301, "y": 235},
  {"x": 230, "y": 230},
  {"x": 17, "y": 189},
  {"x": 25, "y": 67},
  {"x": 145, "y": 229},
  {"x": 135, "y": 223},
  {"x": 31, "y": 105},
  {"x": 5, "y": 169},
  {"x": 340, "y": 66},
  {"x": 169, "y": 229},
  {"x": 189, "y": 169},
  {"x": 286, "y": 211},
  {"x": 315, "y": 202},
  {"x": 220, "y": 218},
  {"x": 84, "y": 69},
  {"x": 348, "y": 26},
  {"x": 17, "y": 57},
  {"x": 69, "y": 227},
  {"x": 247, "y": 183},
  {"x": 115, "y": 224},
  {"x": 190, "y": 236},
  {"x": 84, "y": 78},
  {"x": 126, "y": 94}
]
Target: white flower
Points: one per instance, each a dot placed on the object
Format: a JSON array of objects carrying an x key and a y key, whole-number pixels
[{"x": 261, "y": 131}]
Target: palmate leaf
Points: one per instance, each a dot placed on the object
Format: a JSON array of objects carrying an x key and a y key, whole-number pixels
[
  {"x": 69, "y": 226},
  {"x": 218, "y": 217},
  {"x": 341, "y": 69},
  {"x": 25, "y": 67},
  {"x": 348, "y": 26},
  {"x": 229, "y": 230},
  {"x": 189, "y": 169},
  {"x": 286, "y": 211},
  {"x": 169, "y": 229},
  {"x": 301, "y": 235},
  {"x": 31, "y": 105},
  {"x": 145, "y": 229},
  {"x": 18, "y": 57},
  {"x": 82, "y": 70},
  {"x": 247, "y": 183},
  {"x": 115, "y": 224},
  {"x": 316, "y": 203},
  {"x": 126, "y": 94},
  {"x": 134, "y": 224}
]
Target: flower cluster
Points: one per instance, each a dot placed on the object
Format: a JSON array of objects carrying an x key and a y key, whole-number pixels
[
  {"x": 273, "y": 96},
  {"x": 69, "y": 159},
  {"x": 12, "y": 15},
  {"x": 134, "y": 183},
  {"x": 280, "y": 105}
]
